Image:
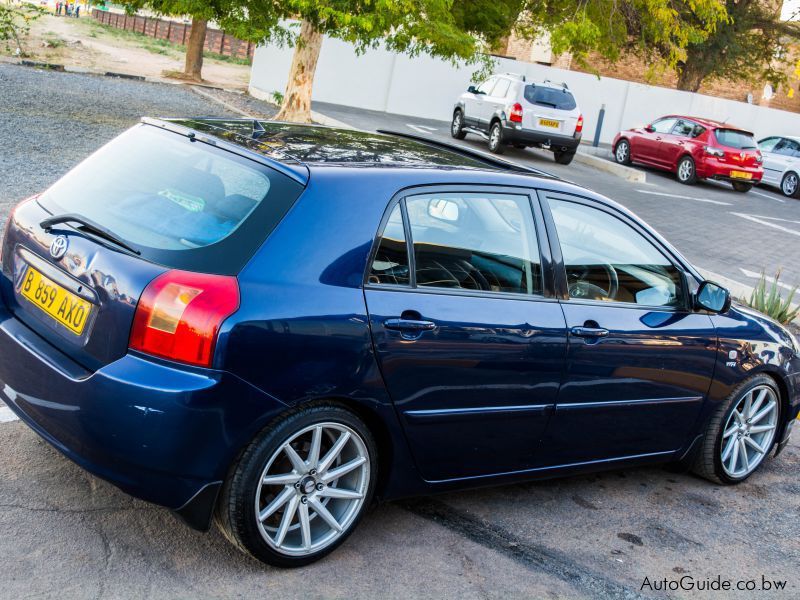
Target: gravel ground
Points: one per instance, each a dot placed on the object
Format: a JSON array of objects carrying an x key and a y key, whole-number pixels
[{"x": 49, "y": 121}]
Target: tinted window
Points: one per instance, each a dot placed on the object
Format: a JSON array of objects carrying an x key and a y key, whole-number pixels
[
  {"x": 561, "y": 99},
  {"x": 735, "y": 139},
  {"x": 664, "y": 125},
  {"x": 768, "y": 144},
  {"x": 501, "y": 89},
  {"x": 475, "y": 241},
  {"x": 390, "y": 265},
  {"x": 183, "y": 204},
  {"x": 606, "y": 259},
  {"x": 786, "y": 148},
  {"x": 687, "y": 129}
]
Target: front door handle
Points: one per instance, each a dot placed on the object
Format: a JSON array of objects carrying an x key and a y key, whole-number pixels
[
  {"x": 409, "y": 325},
  {"x": 589, "y": 332}
]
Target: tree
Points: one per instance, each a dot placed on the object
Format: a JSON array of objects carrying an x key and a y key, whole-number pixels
[
  {"x": 753, "y": 44},
  {"x": 15, "y": 23},
  {"x": 434, "y": 27}
]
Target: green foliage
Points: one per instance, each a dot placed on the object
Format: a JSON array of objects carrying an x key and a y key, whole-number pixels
[
  {"x": 15, "y": 23},
  {"x": 766, "y": 298},
  {"x": 277, "y": 97}
]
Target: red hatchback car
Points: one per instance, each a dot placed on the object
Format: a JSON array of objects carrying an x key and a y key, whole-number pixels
[{"x": 693, "y": 149}]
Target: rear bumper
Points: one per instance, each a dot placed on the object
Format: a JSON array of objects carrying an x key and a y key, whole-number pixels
[
  {"x": 711, "y": 168},
  {"x": 531, "y": 137},
  {"x": 158, "y": 432}
]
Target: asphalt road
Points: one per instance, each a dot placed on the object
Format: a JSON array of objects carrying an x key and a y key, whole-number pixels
[
  {"x": 66, "y": 534},
  {"x": 726, "y": 232}
]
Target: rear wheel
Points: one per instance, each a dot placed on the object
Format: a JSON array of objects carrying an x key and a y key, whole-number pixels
[
  {"x": 457, "y": 126},
  {"x": 622, "y": 153},
  {"x": 686, "y": 172},
  {"x": 790, "y": 185},
  {"x": 563, "y": 157},
  {"x": 496, "y": 144},
  {"x": 301, "y": 487},
  {"x": 740, "y": 186},
  {"x": 741, "y": 432}
]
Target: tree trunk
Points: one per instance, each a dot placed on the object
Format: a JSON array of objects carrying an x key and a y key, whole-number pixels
[
  {"x": 691, "y": 73},
  {"x": 194, "y": 50},
  {"x": 297, "y": 99}
]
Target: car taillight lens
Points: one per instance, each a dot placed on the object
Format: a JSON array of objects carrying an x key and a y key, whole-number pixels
[
  {"x": 714, "y": 151},
  {"x": 579, "y": 125},
  {"x": 179, "y": 315},
  {"x": 515, "y": 116}
]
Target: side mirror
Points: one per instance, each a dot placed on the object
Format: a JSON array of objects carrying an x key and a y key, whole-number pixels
[
  {"x": 712, "y": 297},
  {"x": 649, "y": 128},
  {"x": 472, "y": 89}
]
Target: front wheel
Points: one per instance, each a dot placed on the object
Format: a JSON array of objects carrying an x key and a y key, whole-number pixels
[
  {"x": 742, "y": 187},
  {"x": 790, "y": 185},
  {"x": 496, "y": 144},
  {"x": 563, "y": 157},
  {"x": 301, "y": 487},
  {"x": 622, "y": 153},
  {"x": 457, "y": 126},
  {"x": 686, "y": 171},
  {"x": 741, "y": 432}
]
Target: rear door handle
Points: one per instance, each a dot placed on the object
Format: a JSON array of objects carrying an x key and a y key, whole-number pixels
[
  {"x": 589, "y": 332},
  {"x": 409, "y": 325}
]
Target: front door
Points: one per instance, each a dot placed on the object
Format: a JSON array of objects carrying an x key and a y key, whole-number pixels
[
  {"x": 646, "y": 147},
  {"x": 640, "y": 362},
  {"x": 469, "y": 347}
]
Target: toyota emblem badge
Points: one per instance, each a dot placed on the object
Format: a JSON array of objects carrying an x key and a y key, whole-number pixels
[{"x": 59, "y": 247}]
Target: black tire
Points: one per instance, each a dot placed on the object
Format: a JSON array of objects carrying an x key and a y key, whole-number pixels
[
  {"x": 741, "y": 186},
  {"x": 790, "y": 185},
  {"x": 235, "y": 514},
  {"x": 622, "y": 152},
  {"x": 519, "y": 146},
  {"x": 708, "y": 461},
  {"x": 688, "y": 175},
  {"x": 457, "y": 125},
  {"x": 496, "y": 143},
  {"x": 563, "y": 157}
]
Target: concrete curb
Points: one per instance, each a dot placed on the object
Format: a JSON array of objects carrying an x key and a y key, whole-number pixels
[{"x": 595, "y": 157}]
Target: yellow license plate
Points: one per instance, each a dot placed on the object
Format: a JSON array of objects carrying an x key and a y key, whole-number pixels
[
  {"x": 549, "y": 123},
  {"x": 65, "y": 307},
  {"x": 741, "y": 175}
]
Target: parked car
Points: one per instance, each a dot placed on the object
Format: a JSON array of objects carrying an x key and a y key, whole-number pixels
[
  {"x": 782, "y": 163},
  {"x": 507, "y": 110},
  {"x": 274, "y": 324},
  {"x": 693, "y": 149}
]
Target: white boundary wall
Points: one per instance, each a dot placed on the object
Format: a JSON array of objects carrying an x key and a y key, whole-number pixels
[{"x": 428, "y": 88}]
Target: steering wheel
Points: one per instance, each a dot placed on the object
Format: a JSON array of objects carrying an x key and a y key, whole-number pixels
[{"x": 578, "y": 288}]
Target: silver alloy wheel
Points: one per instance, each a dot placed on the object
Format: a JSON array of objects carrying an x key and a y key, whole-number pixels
[
  {"x": 456, "y": 126},
  {"x": 749, "y": 431},
  {"x": 789, "y": 184},
  {"x": 622, "y": 152},
  {"x": 494, "y": 137},
  {"x": 685, "y": 170},
  {"x": 305, "y": 504}
]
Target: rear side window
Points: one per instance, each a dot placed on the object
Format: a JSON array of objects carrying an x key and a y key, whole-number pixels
[
  {"x": 733, "y": 138},
  {"x": 560, "y": 99},
  {"x": 183, "y": 204},
  {"x": 501, "y": 89},
  {"x": 390, "y": 265},
  {"x": 471, "y": 241}
]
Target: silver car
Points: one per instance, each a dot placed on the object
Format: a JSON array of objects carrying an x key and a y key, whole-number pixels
[{"x": 782, "y": 163}]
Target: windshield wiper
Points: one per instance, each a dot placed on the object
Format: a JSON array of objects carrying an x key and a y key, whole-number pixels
[{"x": 88, "y": 225}]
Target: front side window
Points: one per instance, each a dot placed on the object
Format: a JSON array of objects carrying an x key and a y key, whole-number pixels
[
  {"x": 663, "y": 126},
  {"x": 608, "y": 260},
  {"x": 390, "y": 265},
  {"x": 475, "y": 241}
]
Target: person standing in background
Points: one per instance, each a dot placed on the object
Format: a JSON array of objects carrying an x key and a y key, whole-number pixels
[
  {"x": 77, "y": 11},
  {"x": 58, "y": 8}
]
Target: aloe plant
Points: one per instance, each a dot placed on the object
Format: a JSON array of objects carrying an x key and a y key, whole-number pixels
[{"x": 766, "y": 298}]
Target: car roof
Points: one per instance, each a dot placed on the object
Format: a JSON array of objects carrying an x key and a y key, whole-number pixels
[
  {"x": 708, "y": 123},
  {"x": 294, "y": 145}
]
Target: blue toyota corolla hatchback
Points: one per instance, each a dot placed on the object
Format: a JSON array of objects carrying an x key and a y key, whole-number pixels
[{"x": 269, "y": 325}]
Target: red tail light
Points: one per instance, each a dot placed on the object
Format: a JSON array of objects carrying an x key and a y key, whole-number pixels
[
  {"x": 180, "y": 313},
  {"x": 515, "y": 116},
  {"x": 579, "y": 125}
]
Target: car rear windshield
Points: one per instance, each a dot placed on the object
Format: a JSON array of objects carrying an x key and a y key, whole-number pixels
[
  {"x": 181, "y": 203},
  {"x": 735, "y": 138},
  {"x": 561, "y": 99}
]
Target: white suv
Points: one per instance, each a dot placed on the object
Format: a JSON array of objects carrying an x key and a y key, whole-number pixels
[{"x": 505, "y": 109}]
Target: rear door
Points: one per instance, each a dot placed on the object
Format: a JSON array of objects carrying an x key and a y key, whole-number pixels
[
  {"x": 549, "y": 109},
  {"x": 470, "y": 348},
  {"x": 640, "y": 361},
  {"x": 170, "y": 203},
  {"x": 740, "y": 150},
  {"x": 675, "y": 143}
]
